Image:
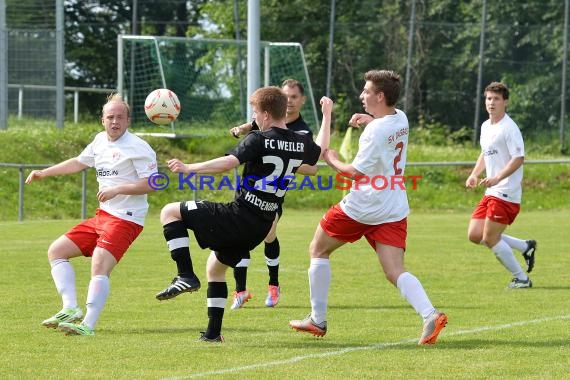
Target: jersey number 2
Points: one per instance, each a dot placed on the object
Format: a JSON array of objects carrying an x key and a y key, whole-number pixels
[{"x": 399, "y": 148}]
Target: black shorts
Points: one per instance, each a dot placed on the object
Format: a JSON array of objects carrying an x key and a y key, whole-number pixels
[{"x": 226, "y": 228}]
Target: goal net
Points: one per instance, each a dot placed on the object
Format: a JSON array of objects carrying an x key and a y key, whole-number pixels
[{"x": 209, "y": 76}]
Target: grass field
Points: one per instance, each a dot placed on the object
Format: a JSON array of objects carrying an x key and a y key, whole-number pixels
[{"x": 493, "y": 333}]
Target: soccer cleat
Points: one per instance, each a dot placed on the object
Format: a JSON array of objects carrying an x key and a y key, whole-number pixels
[
  {"x": 519, "y": 284},
  {"x": 64, "y": 315},
  {"x": 432, "y": 327},
  {"x": 178, "y": 286},
  {"x": 240, "y": 298},
  {"x": 218, "y": 339},
  {"x": 309, "y": 326},
  {"x": 529, "y": 255},
  {"x": 75, "y": 329},
  {"x": 273, "y": 294}
]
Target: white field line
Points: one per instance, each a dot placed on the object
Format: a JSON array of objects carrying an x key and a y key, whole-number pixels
[{"x": 377, "y": 346}]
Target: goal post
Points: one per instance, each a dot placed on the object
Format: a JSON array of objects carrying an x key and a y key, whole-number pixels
[{"x": 209, "y": 76}]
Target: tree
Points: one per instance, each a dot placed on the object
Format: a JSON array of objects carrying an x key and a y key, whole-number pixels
[{"x": 91, "y": 29}]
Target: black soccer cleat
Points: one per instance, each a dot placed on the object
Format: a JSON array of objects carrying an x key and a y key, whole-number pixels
[
  {"x": 203, "y": 338},
  {"x": 529, "y": 255},
  {"x": 178, "y": 286}
]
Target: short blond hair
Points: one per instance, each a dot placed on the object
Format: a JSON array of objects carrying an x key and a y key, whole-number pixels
[{"x": 115, "y": 97}]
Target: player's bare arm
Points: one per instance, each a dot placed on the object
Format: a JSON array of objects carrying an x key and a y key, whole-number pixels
[
  {"x": 323, "y": 138},
  {"x": 217, "y": 165},
  {"x": 360, "y": 120},
  {"x": 509, "y": 169},
  {"x": 66, "y": 167},
  {"x": 347, "y": 170},
  {"x": 135, "y": 188},
  {"x": 307, "y": 169},
  {"x": 241, "y": 129},
  {"x": 471, "y": 181}
]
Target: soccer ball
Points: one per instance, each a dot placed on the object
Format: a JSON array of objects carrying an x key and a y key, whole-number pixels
[{"x": 162, "y": 106}]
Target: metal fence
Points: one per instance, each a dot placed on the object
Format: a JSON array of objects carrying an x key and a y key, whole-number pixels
[
  {"x": 22, "y": 98},
  {"x": 83, "y": 205}
]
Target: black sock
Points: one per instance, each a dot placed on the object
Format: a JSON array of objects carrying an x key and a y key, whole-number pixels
[
  {"x": 240, "y": 273},
  {"x": 216, "y": 291},
  {"x": 272, "y": 251},
  {"x": 180, "y": 253}
]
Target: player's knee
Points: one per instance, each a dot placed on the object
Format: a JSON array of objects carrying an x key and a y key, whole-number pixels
[
  {"x": 169, "y": 213},
  {"x": 215, "y": 270},
  {"x": 316, "y": 251},
  {"x": 60, "y": 249},
  {"x": 490, "y": 241},
  {"x": 52, "y": 252},
  {"x": 474, "y": 238}
]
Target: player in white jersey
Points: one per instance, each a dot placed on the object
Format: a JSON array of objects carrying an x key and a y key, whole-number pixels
[
  {"x": 123, "y": 162},
  {"x": 378, "y": 215},
  {"x": 502, "y": 158}
]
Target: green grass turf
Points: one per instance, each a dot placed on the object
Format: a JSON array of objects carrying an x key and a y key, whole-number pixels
[{"x": 492, "y": 332}]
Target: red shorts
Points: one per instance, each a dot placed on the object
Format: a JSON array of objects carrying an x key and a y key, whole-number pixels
[
  {"x": 497, "y": 210},
  {"x": 342, "y": 227},
  {"x": 106, "y": 231}
]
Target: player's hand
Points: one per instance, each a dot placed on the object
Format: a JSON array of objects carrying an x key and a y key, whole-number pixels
[
  {"x": 471, "y": 182},
  {"x": 326, "y": 105},
  {"x": 360, "y": 119},
  {"x": 489, "y": 182},
  {"x": 235, "y": 132},
  {"x": 241, "y": 129},
  {"x": 106, "y": 194},
  {"x": 35, "y": 175},
  {"x": 176, "y": 166}
]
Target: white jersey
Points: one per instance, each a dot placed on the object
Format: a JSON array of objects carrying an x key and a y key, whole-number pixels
[
  {"x": 120, "y": 162},
  {"x": 500, "y": 143},
  {"x": 382, "y": 151}
]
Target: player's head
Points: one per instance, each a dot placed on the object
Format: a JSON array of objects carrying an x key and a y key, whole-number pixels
[
  {"x": 268, "y": 104},
  {"x": 499, "y": 88},
  {"x": 387, "y": 82},
  {"x": 496, "y": 99},
  {"x": 293, "y": 83},
  {"x": 295, "y": 96},
  {"x": 115, "y": 116}
]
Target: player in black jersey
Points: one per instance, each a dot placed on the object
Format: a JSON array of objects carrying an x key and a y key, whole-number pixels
[
  {"x": 295, "y": 100},
  {"x": 271, "y": 156}
]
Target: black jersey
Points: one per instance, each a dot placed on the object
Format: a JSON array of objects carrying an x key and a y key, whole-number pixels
[
  {"x": 297, "y": 125},
  {"x": 271, "y": 159}
]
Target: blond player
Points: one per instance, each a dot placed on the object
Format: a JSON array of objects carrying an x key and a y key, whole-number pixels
[{"x": 122, "y": 162}]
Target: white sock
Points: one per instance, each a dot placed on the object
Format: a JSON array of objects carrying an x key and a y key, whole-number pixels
[
  {"x": 513, "y": 242},
  {"x": 505, "y": 255},
  {"x": 413, "y": 291},
  {"x": 96, "y": 297},
  {"x": 64, "y": 279},
  {"x": 319, "y": 283}
]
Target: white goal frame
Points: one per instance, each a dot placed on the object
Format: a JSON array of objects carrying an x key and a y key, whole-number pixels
[{"x": 266, "y": 57}]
